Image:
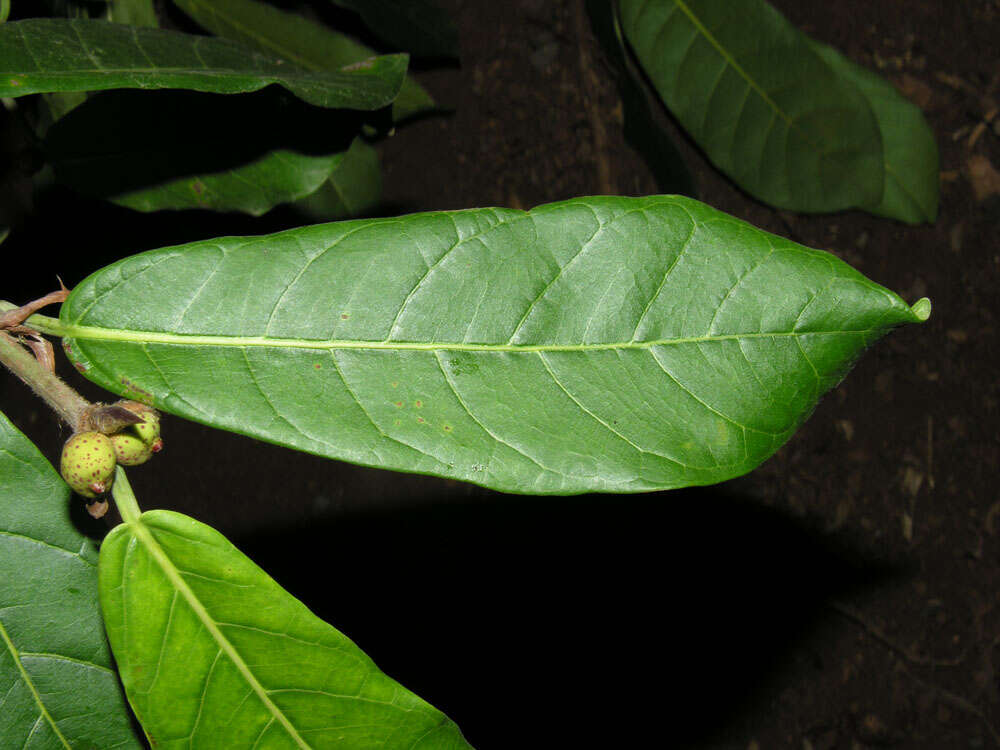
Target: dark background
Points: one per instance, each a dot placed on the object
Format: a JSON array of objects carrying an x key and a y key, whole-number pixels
[{"x": 844, "y": 595}]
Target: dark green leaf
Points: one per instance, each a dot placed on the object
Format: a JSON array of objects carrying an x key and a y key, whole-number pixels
[
  {"x": 56, "y": 678},
  {"x": 911, "y": 153},
  {"x": 415, "y": 26},
  {"x": 132, "y": 12},
  {"x": 354, "y": 187},
  {"x": 755, "y": 95},
  {"x": 213, "y": 651},
  {"x": 641, "y": 129},
  {"x": 136, "y": 149},
  {"x": 47, "y": 54},
  {"x": 599, "y": 344},
  {"x": 296, "y": 39}
]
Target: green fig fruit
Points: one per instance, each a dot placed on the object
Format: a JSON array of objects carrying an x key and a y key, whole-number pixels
[
  {"x": 130, "y": 450},
  {"x": 149, "y": 428},
  {"x": 88, "y": 463}
]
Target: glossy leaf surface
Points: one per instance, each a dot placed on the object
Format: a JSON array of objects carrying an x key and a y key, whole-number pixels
[
  {"x": 297, "y": 39},
  {"x": 56, "y": 678},
  {"x": 911, "y": 153},
  {"x": 599, "y": 344},
  {"x": 47, "y": 54},
  {"x": 214, "y": 654},
  {"x": 755, "y": 95}
]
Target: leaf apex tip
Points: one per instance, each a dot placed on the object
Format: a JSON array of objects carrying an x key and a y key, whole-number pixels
[{"x": 922, "y": 309}]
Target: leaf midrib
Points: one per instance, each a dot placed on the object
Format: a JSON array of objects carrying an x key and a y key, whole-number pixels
[
  {"x": 16, "y": 656},
  {"x": 145, "y": 536},
  {"x": 91, "y": 333},
  {"x": 730, "y": 60}
]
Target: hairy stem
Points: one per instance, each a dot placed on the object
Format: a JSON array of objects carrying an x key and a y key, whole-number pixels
[{"x": 66, "y": 402}]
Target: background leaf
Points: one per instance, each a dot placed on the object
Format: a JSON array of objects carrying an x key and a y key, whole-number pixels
[
  {"x": 56, "y": 679},
  {"x": 416, "y": 26},
  {"x": 755, "y": 95},
  {"x": 213, "y": 651},
  {"x": 299, "y": 40},
  {"x": 609, "y": 344},
  {"x": 49, "y": 54},
  {"x": 911, "y": 153},
  {"x": 354, "y": 187},
  {"x": 136, "y": 149},
  {"x": 641, "y": 129},
  {"x": 132, "y": 13}
]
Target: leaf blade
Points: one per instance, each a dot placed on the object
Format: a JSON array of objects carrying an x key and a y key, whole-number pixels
[
  {"x": 134, "y": 148},
  {"x": 297, "y": 39},
  {"x": 55, "y": 666},
  {"x": 598, "y": 344},
  {"x": 251, "y": 650},
  {"x": 765, "y": 108},
  {"x": 417, "y": 26},
  {"x": 42, "y": 55},
  {"x": 911, "y": 154}
]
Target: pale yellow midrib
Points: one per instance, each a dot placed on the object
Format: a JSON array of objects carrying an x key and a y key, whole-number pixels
[
  {"x": 154, "y": 549},
  {"x": 16, "y": 656},
  {"x": 90, "y": 333}
]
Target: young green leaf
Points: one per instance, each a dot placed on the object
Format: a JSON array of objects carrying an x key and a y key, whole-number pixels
[
  {"x": 211, "y": 649},
  {"x": 599, "y": 344},
  {"x": 50, "y": 54},
  {"x": 756, "y": 96},
  {"x": 295, "y": 38},
  {"x": 56, "y": 676},
  {"x": 911, "y": 153}
]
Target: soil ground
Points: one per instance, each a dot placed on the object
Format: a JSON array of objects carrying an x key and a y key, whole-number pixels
[{"x": 844, "y": 595}]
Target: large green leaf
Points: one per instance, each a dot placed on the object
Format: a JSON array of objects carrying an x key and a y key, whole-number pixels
[
  {"x": 612, "y": 344},
  {"x": 49, "y": 54},
  {"x": 417, "y": 26},
  {"x": 56, "y": 677},
  {"x": 135, "y": 148},
  {"x": 214, "y": 654},
  {"x": 911, "y": 153},
  {"x": 756, "y": 96},
  {"x": 292, "y": 37}
]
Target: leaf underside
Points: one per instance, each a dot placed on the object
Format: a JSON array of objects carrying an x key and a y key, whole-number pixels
[
  {"x": 40, "y": 55},
  {"x": 911, "y": 153},
  {"x": 295, "y": 38},
  {"x": 760, "y": 101},
  {"x": 57, "y": 684},
  {"x": 135, "y": 148},
  {"x": 598, "y": 344},
  {"x": 214, "y": 654}
]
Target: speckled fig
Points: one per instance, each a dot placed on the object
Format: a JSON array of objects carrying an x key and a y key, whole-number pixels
[
  {"x": 88, "y": 463},
  {"x": 148, "y": 429},
  {"x": 130, "y": 450}
]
